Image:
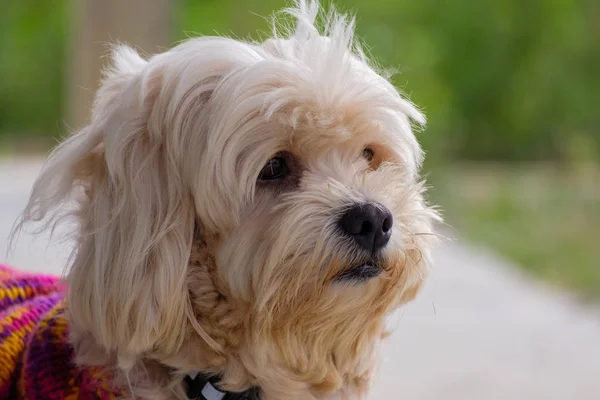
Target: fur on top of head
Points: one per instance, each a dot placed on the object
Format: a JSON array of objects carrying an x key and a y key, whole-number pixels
[{"x": 216, "y": 192}]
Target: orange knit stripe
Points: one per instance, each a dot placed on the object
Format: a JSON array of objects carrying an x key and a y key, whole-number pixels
[{"x": 19, "y": 322}]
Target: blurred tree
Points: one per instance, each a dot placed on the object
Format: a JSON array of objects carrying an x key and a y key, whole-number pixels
[{"x": 97, "y": 23}]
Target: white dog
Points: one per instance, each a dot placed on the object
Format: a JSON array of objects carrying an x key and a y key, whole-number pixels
[{"x": 248, "y": 214}]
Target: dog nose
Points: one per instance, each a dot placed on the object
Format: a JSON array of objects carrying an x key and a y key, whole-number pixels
[{"x": 370, "y": 225}]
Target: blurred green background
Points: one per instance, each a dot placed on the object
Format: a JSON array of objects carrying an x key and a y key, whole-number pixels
[{"x": 510, "y": 87}]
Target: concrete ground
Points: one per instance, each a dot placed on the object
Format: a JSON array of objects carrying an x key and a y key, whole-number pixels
[{"x": 480, "y": 330}]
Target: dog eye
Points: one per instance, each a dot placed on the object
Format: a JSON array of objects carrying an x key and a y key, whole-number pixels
[
  {"x": 276, "y": 168},
  {"x": 368, "y": 154}
]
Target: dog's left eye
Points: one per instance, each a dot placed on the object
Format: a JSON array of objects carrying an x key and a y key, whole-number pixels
[
  {"x": 276, "y": 168},
  {"x": 368, "y": 154}
]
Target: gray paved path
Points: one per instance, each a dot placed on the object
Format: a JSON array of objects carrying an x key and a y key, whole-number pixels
[{"x": 478, "y": 331}]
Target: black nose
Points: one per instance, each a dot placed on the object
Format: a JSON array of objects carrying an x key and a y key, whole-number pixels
[{"x": 370, "y": 225}]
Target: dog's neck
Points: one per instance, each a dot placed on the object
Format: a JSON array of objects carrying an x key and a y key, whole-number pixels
[
  {"x": 222, "y": 323},
  {"x": 220, "y": 326}
]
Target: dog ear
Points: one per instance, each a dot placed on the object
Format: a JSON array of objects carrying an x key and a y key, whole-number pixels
[{"x": 127, "y": 282}]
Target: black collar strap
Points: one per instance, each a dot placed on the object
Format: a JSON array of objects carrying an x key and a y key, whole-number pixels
[{"x": 201, "y": 387}]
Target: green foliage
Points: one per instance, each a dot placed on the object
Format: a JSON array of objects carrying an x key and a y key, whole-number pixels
[
  {"x": 498, "y": 79},
  {"x": 33, "y": 40}
]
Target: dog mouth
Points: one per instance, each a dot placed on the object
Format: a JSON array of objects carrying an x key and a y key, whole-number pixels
[{"x": 361, "y": 272}]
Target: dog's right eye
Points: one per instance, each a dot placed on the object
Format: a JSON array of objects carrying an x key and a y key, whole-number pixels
[{"x": 276, "y": 168}]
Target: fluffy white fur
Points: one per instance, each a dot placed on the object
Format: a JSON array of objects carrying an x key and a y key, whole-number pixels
[{"x": 184, "y": 262}]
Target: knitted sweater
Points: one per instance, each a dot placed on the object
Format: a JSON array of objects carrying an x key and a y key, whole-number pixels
[{"x": 36, "y": 360}]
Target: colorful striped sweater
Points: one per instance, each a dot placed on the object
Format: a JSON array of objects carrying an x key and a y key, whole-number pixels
[{"x": 36, "y": 360}]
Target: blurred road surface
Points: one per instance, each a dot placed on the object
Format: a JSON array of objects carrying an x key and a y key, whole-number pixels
[{"x": 478, "y": 331}]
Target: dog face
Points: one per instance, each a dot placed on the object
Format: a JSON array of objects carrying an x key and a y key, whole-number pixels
[{"x": 246, "y": 209}]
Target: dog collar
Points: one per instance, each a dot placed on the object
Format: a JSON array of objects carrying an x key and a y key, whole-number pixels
[{"x": 201, "y": 387}]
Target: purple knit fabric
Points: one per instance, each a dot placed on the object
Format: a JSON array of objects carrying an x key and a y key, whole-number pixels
[{"x": 36, "y": 360}]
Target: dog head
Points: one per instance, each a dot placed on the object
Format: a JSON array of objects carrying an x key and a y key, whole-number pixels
[{"x": 251, "y": 210}]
